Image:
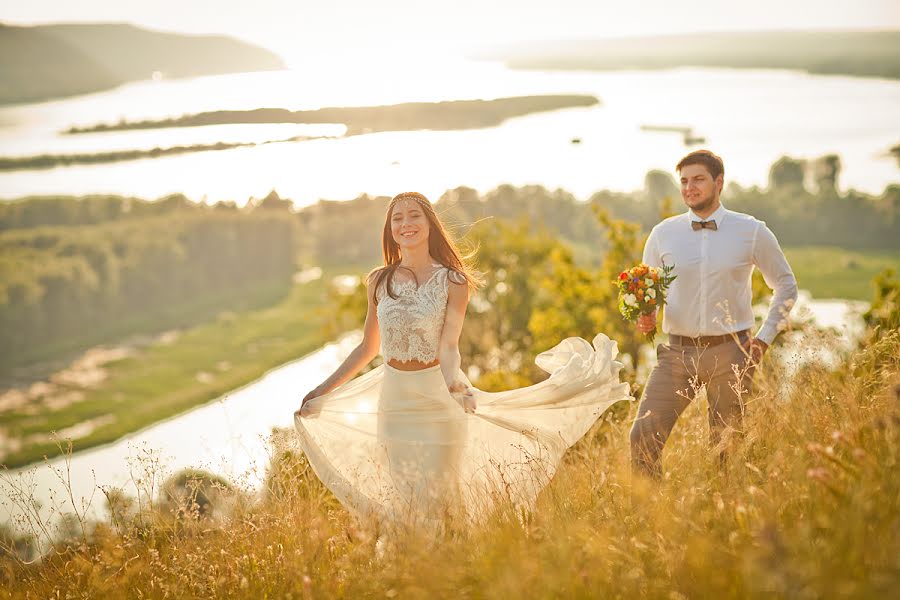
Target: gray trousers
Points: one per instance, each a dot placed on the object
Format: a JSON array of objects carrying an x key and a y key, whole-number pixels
[{"x": 680, "y": 373}]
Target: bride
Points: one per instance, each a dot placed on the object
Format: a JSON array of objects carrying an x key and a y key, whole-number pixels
[{"x": 411, "y": 441}]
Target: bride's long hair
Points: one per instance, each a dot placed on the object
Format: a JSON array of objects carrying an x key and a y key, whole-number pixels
[{"x": 441, "y": 246}]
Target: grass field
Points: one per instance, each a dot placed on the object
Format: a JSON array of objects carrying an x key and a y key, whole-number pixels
[
  {"x": 831, "y": 272},
  {"x": 808, "y": 506}
]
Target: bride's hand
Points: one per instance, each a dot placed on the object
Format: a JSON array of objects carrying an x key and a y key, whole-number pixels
[
  {"x": 466, "y": 395},
  {"x": 306, "y": 410}
]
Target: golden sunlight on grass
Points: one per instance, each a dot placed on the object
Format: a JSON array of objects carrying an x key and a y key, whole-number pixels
[{"x": 807, "y": 507}]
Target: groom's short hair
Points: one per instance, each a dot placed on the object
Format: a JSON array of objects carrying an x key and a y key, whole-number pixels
[{"x": 713, "y": 163}]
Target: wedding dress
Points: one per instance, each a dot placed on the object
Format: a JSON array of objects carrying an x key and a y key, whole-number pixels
[{"x": 398, "y": 446}]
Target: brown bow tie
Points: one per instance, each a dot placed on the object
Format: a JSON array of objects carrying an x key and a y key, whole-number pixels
[{"x": 698, "y": 225}]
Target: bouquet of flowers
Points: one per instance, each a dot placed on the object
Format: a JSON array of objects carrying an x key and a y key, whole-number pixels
[{"x": 642, "y": 290}]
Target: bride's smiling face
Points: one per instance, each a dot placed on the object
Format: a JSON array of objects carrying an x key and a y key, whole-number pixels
[{"x": 409, "y": 225}]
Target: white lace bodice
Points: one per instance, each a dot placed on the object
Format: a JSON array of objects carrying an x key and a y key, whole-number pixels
[{"x": 411, "y": 324}]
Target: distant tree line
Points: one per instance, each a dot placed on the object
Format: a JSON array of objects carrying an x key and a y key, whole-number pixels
[
  {"x": 801, "y": 204},
  {"x": 73, "y": 264},
  {"x": 858, "y": 53},
  {"x": 38, "y": 211},
  {"x": 70, "y": 268}
]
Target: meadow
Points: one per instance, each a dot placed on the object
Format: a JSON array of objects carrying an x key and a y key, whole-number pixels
[
  {"x": 833, "y": 272},
  {"x": 807, "y": 506}
]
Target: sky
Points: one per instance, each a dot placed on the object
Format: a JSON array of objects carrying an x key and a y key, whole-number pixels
[{"x": 292, "y": 27}]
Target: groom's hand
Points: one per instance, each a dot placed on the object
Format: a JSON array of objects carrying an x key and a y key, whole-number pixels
[
  {"x": 647, "y": 323},
  {"x": 755, "y": 349}
]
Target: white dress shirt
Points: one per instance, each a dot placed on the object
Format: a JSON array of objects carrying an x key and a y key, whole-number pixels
[{"x": 712, "y": 294}]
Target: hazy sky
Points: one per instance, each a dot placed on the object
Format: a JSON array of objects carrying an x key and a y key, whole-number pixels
[{"x": 287, "y": 26}]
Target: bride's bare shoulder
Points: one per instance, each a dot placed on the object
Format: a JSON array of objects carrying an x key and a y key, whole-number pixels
[
  {"x": 374, "y": 273},
  {"x": 376, "y": 279}
]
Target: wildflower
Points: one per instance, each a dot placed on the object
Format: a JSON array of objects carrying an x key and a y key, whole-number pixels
[{"x": 818, "y": 473}]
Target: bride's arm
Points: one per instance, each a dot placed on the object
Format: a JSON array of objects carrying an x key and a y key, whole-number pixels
[
  {"x": 448, "y": 349},
  {"x": 364, "y": 352}
]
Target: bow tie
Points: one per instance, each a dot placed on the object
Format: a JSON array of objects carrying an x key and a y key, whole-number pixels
[{"x": 698, "y": 225}]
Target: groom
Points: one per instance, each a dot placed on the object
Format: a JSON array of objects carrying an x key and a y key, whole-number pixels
[{"x": 708, "y": 312}]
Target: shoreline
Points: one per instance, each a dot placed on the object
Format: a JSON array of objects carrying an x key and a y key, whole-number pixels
[
  {"x": 245, "y": 346},
  {"x": 451, "y": 115},
  {"x": 407, "y": 116}
]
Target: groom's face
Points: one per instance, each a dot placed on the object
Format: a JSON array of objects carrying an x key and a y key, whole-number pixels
[{"x": 698, "y": 188}]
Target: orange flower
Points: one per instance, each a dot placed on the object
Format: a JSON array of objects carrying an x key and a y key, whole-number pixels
[{"x": 651, "y": 301}]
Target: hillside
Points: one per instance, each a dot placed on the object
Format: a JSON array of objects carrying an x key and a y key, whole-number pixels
[
  {"x": 858, "y": 53},
  {"x": 35, "y": 65},
  {"x": 50, "y": 61}
]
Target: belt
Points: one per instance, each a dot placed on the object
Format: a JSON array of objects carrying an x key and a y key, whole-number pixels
[{"x": 707, "y": 340}]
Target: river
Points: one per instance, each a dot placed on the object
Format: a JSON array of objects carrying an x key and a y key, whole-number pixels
[{"x": 750, "y": 117}]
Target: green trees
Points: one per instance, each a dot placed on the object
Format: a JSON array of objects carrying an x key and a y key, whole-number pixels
[
  {"x": 883, "y": 317},
  {"x": 787, "y": 173},
  {"x": 497, "y": 342},
  {"x": 799, "y": 217},
  {"x": 36, "y": 211},
  {"x": 64, "y": 283},
  {"x": 341, "y": 233},
  {"x": 349, "y": 232}
]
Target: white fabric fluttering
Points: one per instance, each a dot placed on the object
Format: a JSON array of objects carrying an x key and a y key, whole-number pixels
[{"x": 398, "y": 446}]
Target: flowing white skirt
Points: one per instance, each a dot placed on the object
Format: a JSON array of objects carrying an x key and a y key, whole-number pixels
[{"x": 396, "y": 445}]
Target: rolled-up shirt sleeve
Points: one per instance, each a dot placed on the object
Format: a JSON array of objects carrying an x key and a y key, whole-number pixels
[{"x": 769, "y": 258}]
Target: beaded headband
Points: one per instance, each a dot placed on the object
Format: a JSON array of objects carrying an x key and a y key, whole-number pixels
[{"x": 421, "y": 200}]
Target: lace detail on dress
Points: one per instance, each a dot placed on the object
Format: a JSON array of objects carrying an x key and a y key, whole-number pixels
[{"x": 411, "y": 324}]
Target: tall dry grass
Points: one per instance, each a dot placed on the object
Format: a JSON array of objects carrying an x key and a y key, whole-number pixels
[{"x": 808, "y": 506}]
